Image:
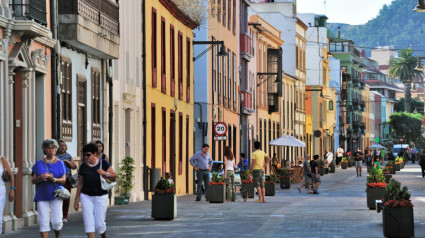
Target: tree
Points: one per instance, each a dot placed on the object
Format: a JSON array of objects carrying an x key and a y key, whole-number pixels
[
  {"x": 399, "y": 106},
  {"x": 407, "y": 125},
  {"x": 403, "y": 68}
]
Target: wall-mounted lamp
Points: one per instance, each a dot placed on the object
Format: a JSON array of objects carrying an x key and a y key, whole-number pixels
[{"x": 222, "y": 51}]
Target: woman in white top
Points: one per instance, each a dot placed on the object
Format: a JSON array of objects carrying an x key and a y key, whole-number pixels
[
  {"x": 229, "y": 173},
  {"x": 4, "y": 167},
  {"x": 329, "y": 156}
]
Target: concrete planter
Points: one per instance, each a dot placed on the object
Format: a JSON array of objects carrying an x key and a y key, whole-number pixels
[
  {"x": 285, "y": 182},
  {"x": 321, "y": 171},
  {"x": 398, "y": 222},
  {"x": 248, "y": 187},
  {"x": 270, "y": 189},
  {"x": 331, "y": 169},
  {"x": 344, "y": 165},
  {"x": 374, "y": 194},
  {"x": 397, "y": 167},
  {"x": 164, "y": 207},
  {"x": 326, "y": 170},
  {"x": 121, "y": 200},
  {"x": 350, "y": 164},
  {"x": 216, "y": 193},
  {"x": 387, "y": 178}
]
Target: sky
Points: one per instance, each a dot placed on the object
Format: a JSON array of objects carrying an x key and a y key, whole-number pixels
[{"x": 353, "y": 12}]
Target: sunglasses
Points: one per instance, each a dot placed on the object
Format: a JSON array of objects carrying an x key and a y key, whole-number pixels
[{"x": 88, "y": 154}]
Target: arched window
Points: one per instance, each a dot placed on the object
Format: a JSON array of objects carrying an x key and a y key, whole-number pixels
[{"x": 331, "y": 105}]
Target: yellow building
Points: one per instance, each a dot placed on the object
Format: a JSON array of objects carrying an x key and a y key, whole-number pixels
[
  {"x": 169, "y": 92},
  {"x": 367, "y": 141},
  {"x": 268, "y": 117}
]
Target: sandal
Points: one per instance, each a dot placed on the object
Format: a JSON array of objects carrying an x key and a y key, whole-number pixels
[
  {"x": 258, "y": 201},
  {"x": 309, "y": 192}
]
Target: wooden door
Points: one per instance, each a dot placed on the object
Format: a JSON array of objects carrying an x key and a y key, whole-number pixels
[{"x": 82, "y": 116}]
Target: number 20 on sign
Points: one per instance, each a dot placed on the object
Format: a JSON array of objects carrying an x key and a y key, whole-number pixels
[{"x": 220, "y": 128}]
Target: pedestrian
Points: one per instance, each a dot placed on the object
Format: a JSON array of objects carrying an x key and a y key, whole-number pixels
[
  {"x": 368, "y": 159},
  {"x": 275, "y": 162},
  {"x": 202, "y": 163},
  {"x": 94, "y": 200},
  {"x": 339, "y": 155},
  {"x": 358, "y": 158},
  {"x": 422, "y": 163},
  {"x": 307, "y": 174},
  {"x": 49, "y": 174},
  {"x": 229, "y": 174},
  {"x": 329, "y": 157},
  {"x": 259, "y": 161},
  {"x": 70, "y": 165},
  {"x": 168, "y": 178},
  {"x": 377, "y": 164},
  {"x": 315, "y": 174},
  {"x": 348, "y": 154},
  {"x": 99, "y": 152},
  {"x": 5, "y": 169},
  {"x": 243, "y": 162},
  {"x": 390, "y": 156}
]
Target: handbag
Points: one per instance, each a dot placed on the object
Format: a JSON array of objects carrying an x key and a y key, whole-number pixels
[
  {"x": 105, "y": 184},
  {"x": 5, "y": 175},
  {"x": 61, "y": 193},
  {"x": 73, "y": 180}
]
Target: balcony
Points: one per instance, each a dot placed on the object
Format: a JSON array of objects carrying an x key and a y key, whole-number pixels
[
  {"x": 362, "y": 84},
  {"x": 246, "y": 101},
  {"x": 356, "y": 83},
  {"x": 245, "y": 46},
  {"x": 30, "y": 17},
  {"x": 362, "y": 105},
  {"x": 91, "y": 26}
]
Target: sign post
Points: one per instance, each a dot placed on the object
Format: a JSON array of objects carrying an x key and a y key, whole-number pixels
[{"x": 220, "y": 130}]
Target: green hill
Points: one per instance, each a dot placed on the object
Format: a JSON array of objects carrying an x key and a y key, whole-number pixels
[{"x": 396, "y": 25}]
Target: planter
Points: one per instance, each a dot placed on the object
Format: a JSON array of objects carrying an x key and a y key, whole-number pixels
[
  {"x": 270, "y": 189},
  {"x": 368, "y": 169},
  {"x": 397, "y": 167},
  {"x": 326, "y": 170},
  {"x": 344, "y": 165},
  {"x": 321, "y": 171},
  {"x": 285, "y": 182},
  {"x": 164, "y": 207},
  {"x": 374, "y": 194},
  {"x": 398, "y": 222},
  {"x": 387, "y": 178},
  {"x": 331, "y": 169},
  {"x": 121, "y": 200},
  {"x": 350, "y": 164},
  {"x": 392, "y": 170},
  {"x": 216, "y": 193},
  {"x": 248, "y": 187},
  {"x": 402, "y": 166}
]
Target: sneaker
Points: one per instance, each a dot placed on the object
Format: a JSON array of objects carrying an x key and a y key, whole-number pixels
[
  {"x": 197, "y": 199},
  {"x": 64, "y": 220},
  {"x": 315, "y": 192}
]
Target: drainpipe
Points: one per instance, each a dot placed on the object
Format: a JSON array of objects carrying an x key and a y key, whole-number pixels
[
  {"x": 145, "y": 167},
  {"x": 111, "y": 114},
  {"x": 55, "y": 73}
]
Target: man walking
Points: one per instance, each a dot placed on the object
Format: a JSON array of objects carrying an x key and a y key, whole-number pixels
[
  {"x": 202, "y": 163},
  {"x": 339, "y": 155},
  {"x": 358, "y": 158},
  {"x": 259, "y": 161},
  {"x": 315, "y": 174},
  {"x": 422, "y": 163},
  {"x": 307, "y": 174}
]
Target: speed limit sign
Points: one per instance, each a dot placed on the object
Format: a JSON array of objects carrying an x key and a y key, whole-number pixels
[{"x": 220, "y": 128}]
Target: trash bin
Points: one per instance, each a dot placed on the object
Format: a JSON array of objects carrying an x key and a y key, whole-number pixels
[{"x": 155, "y": 177}]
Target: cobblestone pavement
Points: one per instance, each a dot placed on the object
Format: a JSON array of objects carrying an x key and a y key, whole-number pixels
[{"x": 338, "y": 211}]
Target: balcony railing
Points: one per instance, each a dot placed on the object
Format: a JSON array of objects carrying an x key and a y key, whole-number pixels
[
  {"x": 245, "y": 44},
  {"x": 31, "y": 10}
]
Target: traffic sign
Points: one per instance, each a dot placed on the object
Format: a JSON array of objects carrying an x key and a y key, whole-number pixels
[
  {"x": 220, "y": 128},
  {"x": 401, "y": 139},
  {"x": 220, "y": 137},
  {"x": 377, "y": 139}
]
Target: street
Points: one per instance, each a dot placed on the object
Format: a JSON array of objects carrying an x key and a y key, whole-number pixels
[{"x": 338, "y": 211}]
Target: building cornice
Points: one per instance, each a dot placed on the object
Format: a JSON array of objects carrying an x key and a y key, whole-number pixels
[{"x": 179, "y": 14}]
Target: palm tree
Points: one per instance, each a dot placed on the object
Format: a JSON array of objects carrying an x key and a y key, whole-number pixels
[{"x": 403, "y": 68}]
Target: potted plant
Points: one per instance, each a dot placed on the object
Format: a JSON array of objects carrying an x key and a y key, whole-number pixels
[
  {"x": 398, "y": 162},
  {"x": 344, "y": 163},
  {"x": 397, "y": 211},
  {"x": 216, "y": 189},
  {"x": 332, "y": 167},
  {"x": 375, "y": 187},
  {"x": 270, "y": 185},
  {"x": 125, "y": 181},
  {"x": 390, "y": 165},
  {"x": 386, "y": 172},
  {"x": 164, "y": 201},
  {"x": 321, "y": 167},
  {"x": 247, "y": 183},
  {"x": 285, "y": 178},
  {"x": 350, "y": 162}
]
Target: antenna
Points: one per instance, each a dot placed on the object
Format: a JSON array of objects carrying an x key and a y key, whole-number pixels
[{"x": 324, "y": 3}]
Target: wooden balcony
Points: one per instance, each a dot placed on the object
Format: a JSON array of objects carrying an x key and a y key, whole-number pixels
[
  {"x": 245, "y": 46},
  {"x": 90, "y": 25}
]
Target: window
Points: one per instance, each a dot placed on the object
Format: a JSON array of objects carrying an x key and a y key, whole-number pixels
[
  {"x": 229, "y": 14},
  {"x": 214, "y": 73},
  {"x": 181, "y": 142},
  {"x": 66, "y": 97},
  {"x": 188, "y": 59},
  {"x": 331, "y": 105},
  {"x": 153, "y": 135},
  {"x": 234, "y": 17},
  {"x": 163, "y": 71},
  {"x": 95, "y": 79},
  {"x": 219, "y": 10},
  {"x": 229, "y": 77},
  {"x": 180, "y": 58},
  {"x": 296, "y": 57},
  {"x": 225, "y": 101},
  {"x": 154, "y": 46},
  {"x": 234, "y": 83},
  {"x": 172, "y": 62},
  {"x": 224, "y": 12},
  {"x": 164, "y": 141}
]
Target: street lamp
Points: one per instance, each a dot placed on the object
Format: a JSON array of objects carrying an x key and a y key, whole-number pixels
[
  {"x": 222, "y": 51},
  {"x": 420, "y": 7}
]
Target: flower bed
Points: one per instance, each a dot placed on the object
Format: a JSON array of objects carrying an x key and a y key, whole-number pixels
[
  {"x": 376, "y": 185},
  {"x": 216, "y": 183},
  {"x": 401, "y": 203},
  {"x": 247, "y": 181}
]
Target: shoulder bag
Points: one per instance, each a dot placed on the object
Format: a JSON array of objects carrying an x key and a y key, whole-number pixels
[
  {"x": 61, "y": 193},
  {"x": 73, "y": 180},
  {"x": 105, "y": 184},
  {"x": 5, "y": 175}
]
